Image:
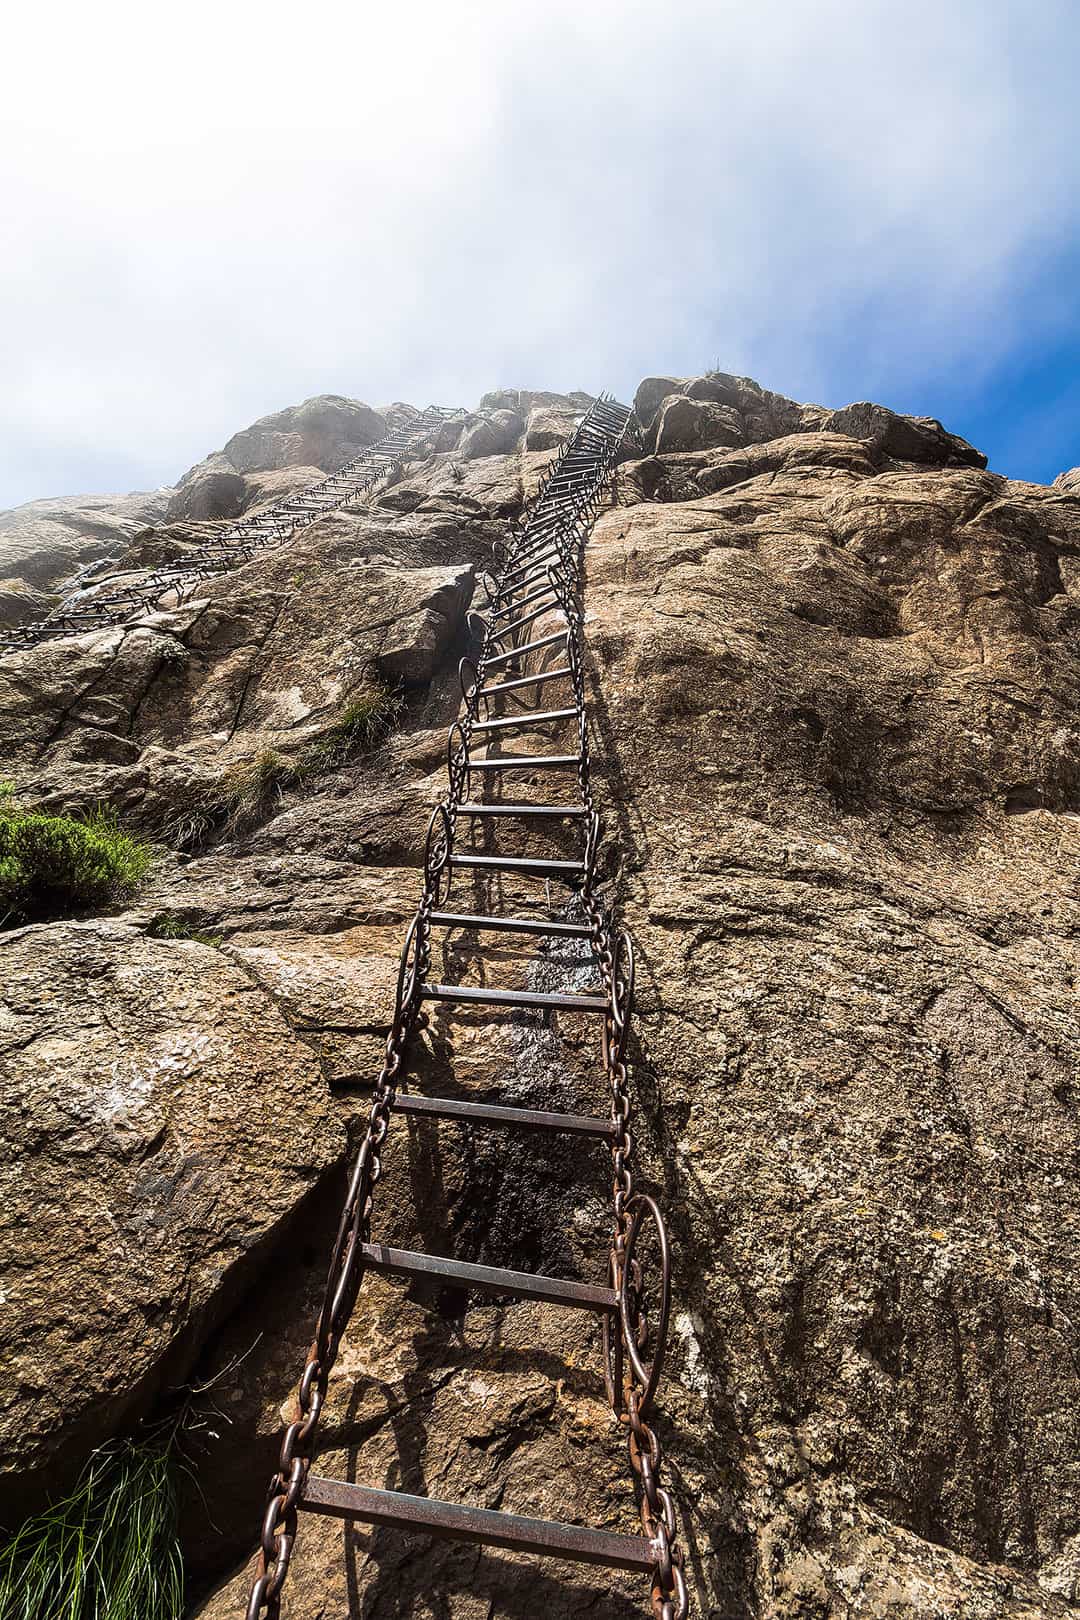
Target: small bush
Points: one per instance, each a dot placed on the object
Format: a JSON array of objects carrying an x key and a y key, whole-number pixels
[
  {"x": 108, "y": 1551},
  {"x": 368, "y": 717},
  {"x": 54, "y": 865},
  {"x": 174, "y": 652}
]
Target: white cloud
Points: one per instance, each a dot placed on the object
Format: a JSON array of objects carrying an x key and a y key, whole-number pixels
[{"x": 217, "y": 211}]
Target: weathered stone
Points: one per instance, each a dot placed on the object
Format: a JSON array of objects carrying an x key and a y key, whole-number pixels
[
  {"x": 323, "y": 432},
  {"x": 651, "y": 394},
  {"x": 692, "y": 424},
  {"x": 44, "y": 542},
  {"x": 212, "y": 490},
  {"x": 268, "y": 659},
  {"x": 547, "y": 427},
  {"x": 149, "y": 1088},
  {"x": 524, "y": 400},
  {"x": 492, "y": 435},
  {"x": 906, "y": 438},
  {"x": 833, "y": 679}
]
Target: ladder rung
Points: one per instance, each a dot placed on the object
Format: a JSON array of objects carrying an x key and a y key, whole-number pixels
[
  {"x": 526, "y": 647},
  {"x": 489, "y": 1279},
  {"x": 518, "y": 863},
  {"x": 510, "y": 925},
  {"x": 532, "y": 561},
  {"x": 427, "y": 1514},
  {"x": 530, "y": 568},
  {"x": 523, "y": 761},
  {"x": 480, "y": 1113},
  {"x": 525, "y": 680},
  {"x": 541, "y": 717},
  {"x": 551, "y": 555},
  {"x": 530, "y": 618},
  {"x": 512, "y": 998},
  {"x": 526, "y": 601},
  {"x": 553, "y": 810}
]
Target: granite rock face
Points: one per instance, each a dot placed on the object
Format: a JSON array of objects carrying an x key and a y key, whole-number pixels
[
  {"x": 44, "y": 543},
  {"x": 316, "y": 437},
  {"x": 834, "y": 670},
  {"x": 163, "y": 1124}
]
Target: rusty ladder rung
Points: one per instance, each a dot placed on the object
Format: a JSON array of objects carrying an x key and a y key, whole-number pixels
[
  {"x": 482, "y": 1113},
  {"x": 535, "y": 717},
  {"x": 552, "y": 928},
  {"x": 340, "y": 1499},
  {"x": 489, "y": 1279},
  {"x": 526, "y": 647},
  {"x": 480, "y": 995}
]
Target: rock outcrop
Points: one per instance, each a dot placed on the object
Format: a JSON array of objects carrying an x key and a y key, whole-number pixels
[
  {"x": 834, "y": 679},
  {"x": 44, "y": 543},
  {"x": 163, "y": 1127},
  {"x": 316, "y": 437}
]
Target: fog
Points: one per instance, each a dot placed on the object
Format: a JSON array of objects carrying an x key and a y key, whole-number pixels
[{"x": 217, "y": 211}]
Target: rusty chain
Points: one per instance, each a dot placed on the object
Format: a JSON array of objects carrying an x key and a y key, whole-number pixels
[{"x": 561, "y": 526}]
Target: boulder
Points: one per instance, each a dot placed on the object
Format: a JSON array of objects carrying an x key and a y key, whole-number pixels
[
  {"x": 323, "y": 432},
  {"x": 694, "y": 424},
  {"x": 651, "y": 394},
  {"x": 921, "y": 439},
  {"x": 548, "y": 427},
  {"x": 821, "y": 450},
  {"x": 211, "y": 491},
  {"x": 493, "y": 435},
  {"x": 43, "y": 543},
  {"x": 523, "y": 400},
  {"x": 164, "y": 1127}
]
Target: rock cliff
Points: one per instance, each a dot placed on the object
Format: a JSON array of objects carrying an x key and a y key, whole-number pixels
[{"x": 834, "y": 680}]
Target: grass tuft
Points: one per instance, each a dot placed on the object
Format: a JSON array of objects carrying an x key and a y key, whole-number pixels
[
  {"x": 109, "y": 1551},
  {"x": 369, "y": 716},
  {"x": 171, "y": 926},
  {"x": 55, "y": 865},
  {"x": 243, "y": 795},
  {"x": 248, "y": 793}
]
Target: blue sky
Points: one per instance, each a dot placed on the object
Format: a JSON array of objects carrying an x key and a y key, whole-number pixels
[{"x": 215, "y": 217}]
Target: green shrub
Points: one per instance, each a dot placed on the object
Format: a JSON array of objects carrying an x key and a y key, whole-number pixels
[
  {"x": 108, "y": 1551},
  {"x": 55, "y": 865}
]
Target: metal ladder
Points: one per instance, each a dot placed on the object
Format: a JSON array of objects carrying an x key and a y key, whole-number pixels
[
  {"x": 239, "y": 543},
  {"x": 540, "y": 579}
]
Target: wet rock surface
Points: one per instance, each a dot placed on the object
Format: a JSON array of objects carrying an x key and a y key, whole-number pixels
[{"x": 833, "y": 670}]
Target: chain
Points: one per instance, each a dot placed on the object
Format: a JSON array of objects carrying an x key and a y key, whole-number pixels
[{"x": 560, "y": 518}]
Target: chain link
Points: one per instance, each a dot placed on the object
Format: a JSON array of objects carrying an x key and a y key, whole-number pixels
[{"x": 561, "y": 525}]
